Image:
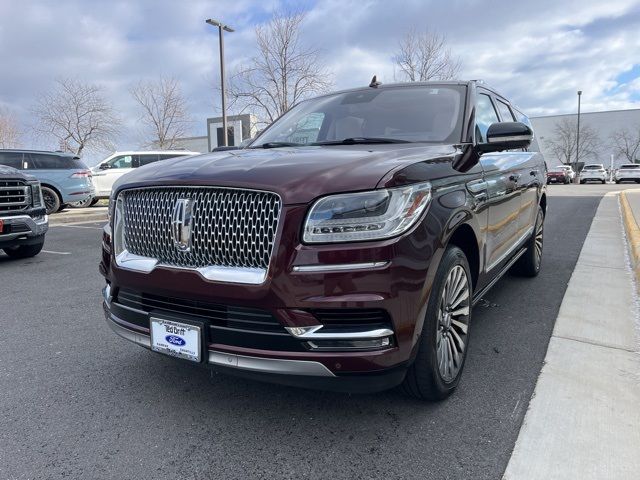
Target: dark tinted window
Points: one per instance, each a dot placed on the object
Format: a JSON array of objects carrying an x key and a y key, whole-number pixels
[
  {"x": 505, "y": 112},
  {"x": 44, "y": 161},
  {"x": 630, "y": 166},
  {"x": 167, "y": 156},
  {"x": 485, "y": 115},
  {"x": 11, "y": 159},
  {"x": 148, "y": 158}
]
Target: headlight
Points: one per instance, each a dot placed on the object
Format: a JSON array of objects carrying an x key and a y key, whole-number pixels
[
  {"x": 36, "y": 195},
  {"x": 370, "y": 215}
]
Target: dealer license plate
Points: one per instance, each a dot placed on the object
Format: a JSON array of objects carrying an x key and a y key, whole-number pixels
[{"x": 176, "y": 339}]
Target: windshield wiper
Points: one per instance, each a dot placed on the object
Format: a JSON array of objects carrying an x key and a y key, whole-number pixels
[
  {"x": 279, "y": 144},
  {"x": 360, "y": 140}
]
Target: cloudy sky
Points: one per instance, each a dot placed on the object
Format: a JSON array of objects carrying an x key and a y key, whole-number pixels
[{"x": 537, "y": 53}]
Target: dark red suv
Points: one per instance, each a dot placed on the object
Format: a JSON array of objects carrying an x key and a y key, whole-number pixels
[{"x": 343, "y": 249}]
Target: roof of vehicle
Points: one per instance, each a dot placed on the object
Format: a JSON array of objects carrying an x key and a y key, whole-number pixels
[
  {"x": 48, "y": 152},
  {"x": 563, "y": 166}
]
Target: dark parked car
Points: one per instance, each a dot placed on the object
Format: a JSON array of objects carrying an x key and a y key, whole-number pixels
[
  {"x": 558, "y": 175},
  {"x": 344, "y": 249},
  {"x": 64, "y": 178},
  {"x": 23, "y": 220}
]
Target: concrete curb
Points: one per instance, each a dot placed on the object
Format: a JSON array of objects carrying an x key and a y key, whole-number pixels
[
  {"x": 77, "y": 217},
  {"x": 583, "y": 417},
  {"x": 633, "y": 233}
]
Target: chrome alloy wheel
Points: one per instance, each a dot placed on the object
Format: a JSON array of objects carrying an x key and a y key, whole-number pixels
[
  {"x": 453, "y": 323},
  {"x": 539, "y": 238}
]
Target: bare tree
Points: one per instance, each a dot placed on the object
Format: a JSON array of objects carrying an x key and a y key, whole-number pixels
[
  {"x": 564, "y": 143},
  {"x": 9, "y": 131},
  {"x": 164, "y": 111},
  {"x": 424, "y": 56},
  {"x": 282, "y": 73},
  {"x": 626, "y": 143},
  {"x": 77, "y": 115}
]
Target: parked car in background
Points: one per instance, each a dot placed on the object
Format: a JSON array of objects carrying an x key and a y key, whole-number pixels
[
  {"x": 64, "y": 177},
  {"x": 343, "y": 249},
  {"x": 113, "y": 167},
  {"x": 594, "y": 172},
  {"x": 558, "y": 175},
  {"x": 629, "y": 172},
  {"x": 571, "y": 174},
  {"x": 23, "y": 219}
]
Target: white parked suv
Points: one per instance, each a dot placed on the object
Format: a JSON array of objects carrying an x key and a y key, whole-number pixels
[
  {"x": 628, "y": 172},
  {"x": 113, "y": 167},
  {"x": 594, "y": 172}
]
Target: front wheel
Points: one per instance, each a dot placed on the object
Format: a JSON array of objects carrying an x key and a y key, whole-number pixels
[
  {"x": 442, "y": 349},
  {"x": 24, "y": 251}
]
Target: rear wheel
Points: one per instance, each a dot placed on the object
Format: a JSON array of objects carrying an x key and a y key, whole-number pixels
[
  {"x": 528, "y": 265},
  {"x": 51, "y": 200},
  {"x": 442, "y": 350},
  {"x": 24, "y": 251},
  {"x": 604, "y": 181},
  {"x": 89, "y": 202}
]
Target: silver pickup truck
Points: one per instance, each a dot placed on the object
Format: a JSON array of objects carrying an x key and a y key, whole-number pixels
[{"x": 23, "y": 219}]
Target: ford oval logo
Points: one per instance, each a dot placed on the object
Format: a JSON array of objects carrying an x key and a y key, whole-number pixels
[{"x": 174, "y": 340}]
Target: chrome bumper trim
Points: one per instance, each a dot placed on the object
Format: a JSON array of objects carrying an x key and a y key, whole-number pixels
[
  {"x": 313, "y": 333},
  {"x": 135, "y": 337},
  {"x": 340, "y": 267},
  {"x": 270, "y": 365},
  {"x": 36, "y": 228}
]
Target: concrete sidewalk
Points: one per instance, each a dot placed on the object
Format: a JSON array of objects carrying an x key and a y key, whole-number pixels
[{"x": 583, "y": 420}]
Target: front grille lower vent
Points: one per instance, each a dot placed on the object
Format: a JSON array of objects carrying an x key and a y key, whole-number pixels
[{"x": 353, "y": 317}]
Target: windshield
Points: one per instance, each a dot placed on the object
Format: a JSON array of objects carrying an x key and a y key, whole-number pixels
[{"x": 403, "y": 114}]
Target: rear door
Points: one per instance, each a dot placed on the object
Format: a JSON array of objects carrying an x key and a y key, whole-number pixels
[{"x": 503, "y": 198}]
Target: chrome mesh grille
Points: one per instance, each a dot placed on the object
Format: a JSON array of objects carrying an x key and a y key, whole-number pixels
[
  {"x": 14, "y": 195},
  {"x": 231, "y": 227}
]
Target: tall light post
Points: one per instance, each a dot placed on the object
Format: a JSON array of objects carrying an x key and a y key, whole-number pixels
[
  {"x": 578, "y": 133},
  {"x": 221, "y": 26}
]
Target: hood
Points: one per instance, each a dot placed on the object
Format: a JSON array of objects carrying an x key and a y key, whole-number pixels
[
  {"x": 298, "y": 174},
  {"x": 10, "y": 172}
]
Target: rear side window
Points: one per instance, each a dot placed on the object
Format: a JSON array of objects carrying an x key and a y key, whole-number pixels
[
  {"x": 11, "y": 159},
  {"x": 37, "y": 161},
  {"x": 485, "y": 116},
  {"x": 505, "y": 112},
  {"x": 630, "y": 166},
  {"x": 148, "y": 158}
]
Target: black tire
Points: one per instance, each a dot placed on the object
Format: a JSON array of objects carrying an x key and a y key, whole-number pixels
[
  {"x": 424, "y": 379},
  {"x": 617, "y": 181},
  {"x": 51, "y": 199},
  {"x": 582, "y": 182},
  {"x": 24, "y": 251},
  {"x": 528, "y": 265},
  {"x": 604, "y": 181}
]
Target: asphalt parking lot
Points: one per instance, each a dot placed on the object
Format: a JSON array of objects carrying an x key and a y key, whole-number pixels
[{"x": 77, "y": 401}]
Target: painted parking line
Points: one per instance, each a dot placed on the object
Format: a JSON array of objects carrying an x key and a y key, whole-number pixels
[{"x": 55, "y": 253}]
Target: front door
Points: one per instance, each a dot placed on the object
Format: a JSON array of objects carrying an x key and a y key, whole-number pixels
[{"x": 109, "y": 171}]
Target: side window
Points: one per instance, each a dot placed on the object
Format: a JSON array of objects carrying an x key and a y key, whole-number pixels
[
  {"x": 37, "y": 161},
  {"x": 148, "y": 158},
  {"x": 485, "y": 116},
  {"x": 11, "y": 159},
  {"x": 521, "y": 117},
  {"x": 123, "y": 161},
  {"x": 505, "y": 112}
]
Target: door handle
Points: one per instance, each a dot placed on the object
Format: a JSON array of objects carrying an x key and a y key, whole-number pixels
[{"x": 514, "y": 177}]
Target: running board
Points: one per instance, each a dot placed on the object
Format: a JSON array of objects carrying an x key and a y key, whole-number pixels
[{"x": 478, "y": 296}]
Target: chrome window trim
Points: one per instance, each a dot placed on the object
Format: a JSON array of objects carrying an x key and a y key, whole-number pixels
[{"x": 339, "y": 267}]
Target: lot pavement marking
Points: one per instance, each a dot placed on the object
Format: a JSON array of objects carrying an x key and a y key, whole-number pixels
[
  {"x": 55, "y": 253},
  {"x": 583, "y": 417},
  {"x": 78, "y": 226}
]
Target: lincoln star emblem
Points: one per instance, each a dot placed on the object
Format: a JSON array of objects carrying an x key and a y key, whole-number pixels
[{"x": 181, "y": 223}]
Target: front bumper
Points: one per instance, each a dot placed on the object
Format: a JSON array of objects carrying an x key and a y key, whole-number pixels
[{"x": 23, "y": 229}]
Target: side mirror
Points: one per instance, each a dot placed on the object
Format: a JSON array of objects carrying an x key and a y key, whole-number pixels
[
  {"x": 506, "y": 136},
  {"x": 104, "y": 166}
]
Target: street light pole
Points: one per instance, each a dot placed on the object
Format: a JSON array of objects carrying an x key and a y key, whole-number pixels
[
  {"x": 578, "y": 132},
  {"x": 227, "y": 28}
]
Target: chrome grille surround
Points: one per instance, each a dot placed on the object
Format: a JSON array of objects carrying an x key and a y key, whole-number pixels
[
  {"x": 233, "y": 231},
  {"x": 14, "y": 195}
]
